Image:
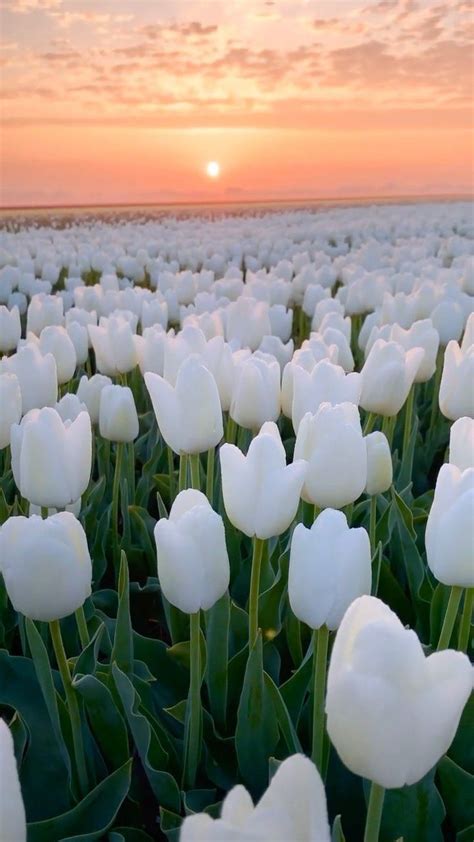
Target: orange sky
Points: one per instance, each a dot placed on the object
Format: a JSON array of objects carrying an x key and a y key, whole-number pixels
[{"x": 127, "y": 100}]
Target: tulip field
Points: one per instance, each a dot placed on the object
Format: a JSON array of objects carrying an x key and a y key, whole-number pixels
[{"x": 237, "y": 532}]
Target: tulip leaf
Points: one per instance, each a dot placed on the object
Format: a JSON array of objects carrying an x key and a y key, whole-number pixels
[
  {"x": 86, "y": 662},
  {"x": 414, "y": 812},
  {"x": 128, "y": 834},
  {"x": 217, "y": 641},
  {"x": 170, "y": 824},
  {"x": 457, "y": 789},
  {"x": 257, "y": 732},
  {"x": 337, "y": 833},
  {"x": 284, "y": 720},
  {"x": 92, "y": 817},
  {"x": 270, "y": 602},
  {"x": 462, "y": 747},
  {"x": 152, "y": 755},
  {"x": 122, "y": 651},
  {"x": 294, "y": 690},
  {"x": 105, "y": 720}
]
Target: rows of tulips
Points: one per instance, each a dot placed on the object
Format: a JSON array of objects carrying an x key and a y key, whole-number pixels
[{"x": 236, "y": 550}]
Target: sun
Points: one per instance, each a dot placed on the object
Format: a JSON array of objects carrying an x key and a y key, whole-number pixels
[{"x": 213, "y": 169}]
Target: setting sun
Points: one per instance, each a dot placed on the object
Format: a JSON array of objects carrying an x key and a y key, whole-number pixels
[{"x": 213, "y": 169}]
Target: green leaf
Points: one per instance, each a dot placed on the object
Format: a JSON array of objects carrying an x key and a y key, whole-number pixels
[
  {"x": 152, "y": 755},
  {"x": 462, "y": 747},
  {"x": 257, "y": 731},
  {"x": 90, "y": 819},
  {"x": 284, "y": 720},
  {"x": 122, "y": 652},
  {"x": 294, "y": 690},
  {"x": 170, "y": 824},
  {"x": 414, "y": 812},
  {"x": 128, "y": 834},
  {"x": 270, "y": 602},
  {"x": 107, "y": 724},
  {"x": 337, "y": 834},
  {"x": 217, "y": 640},
  {"x": 457, "y": 789},
  {"x": 86, "y": 662},
  {"x": 404, "y": 512}
]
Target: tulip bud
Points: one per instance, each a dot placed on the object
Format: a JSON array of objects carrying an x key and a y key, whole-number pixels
[
  {"x": 190, "y": 340},
  {"x": 36, "y": 375},
  {"x": 461, "y": 443},
  {"x": 189, "y": 415},
  {"x": 379, "y": 464},
  {"x": 387, "y": 377},
  {"x": 150, "y": 348},
  {"x": 256, "y": 394},
  {"x": 248, "y": 321},
  {"x": 456, "y": 395},
  {"x": 10, "y": 406},
  {"x": 118, "y": 419},
  {"x": 69, "y": 407},
  {"x": 421, "y": 334},
  {"x": 330, "y": 565},
  {"x": 44, "y": 310},
  {"x": 79, "y": 337},
  {"x": 55, "y": 340},
  {"x": 292, "y": 808},
  {"x": 448, "y": 536},
  {"x": 391, "y": 712},
  {"x": 326, "y": 383},
  {"x": 10, "y": 329},
  {"x": 193, "y": 565},
  {"x": 261, "y": 492},
  {"x": 46, "y": 565},
  {"x": 89, "y": 392},
  {"x": 332, "y": 443},
  {"x": 51, "y": 459},
  {"x": 112, "y": 340},
  {"x": 12, "y": 811}
]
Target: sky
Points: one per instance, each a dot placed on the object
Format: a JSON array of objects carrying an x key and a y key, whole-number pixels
[{"x": 126, "y": 101}]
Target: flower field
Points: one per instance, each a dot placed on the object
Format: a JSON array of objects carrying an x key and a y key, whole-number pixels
[{"x": 236, "y": 542}]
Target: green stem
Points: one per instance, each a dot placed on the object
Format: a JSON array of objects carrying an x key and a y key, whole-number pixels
[
  {"x": 231, "y": 431},
  {"x": 171, "y": 472},
  {"x": 194, "y": 713},
  {"x": 450, "y": 617},
  {"x": 44, "y": 512},
  {"x": 131, "y": 471},
  {"x": 115, "y": 497},
  {"x": 183, "y": 472},
  {"x": 388, "y": 427},
  {"x": 258, "y": 545},
  {"x": 369, "y": 423},
  {"x": 374, "y": 813},
  {"x": 435, "y": 396},
  {"x": 466, "y": 620},
  {"x": 373, "y": 522},
  {"x": 348, "y": 511},
  {"x": 408, "y": 419},
  {"x": 82, "y": 626},
  {"x": 72, "y": 705},
  {"x": 320, "y": 653},
  {"x": 195, "y": 471},
  {"x": 211, "y": 455}
]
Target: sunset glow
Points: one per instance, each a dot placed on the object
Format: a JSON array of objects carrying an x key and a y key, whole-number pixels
[{"x": 125, "y": 100}]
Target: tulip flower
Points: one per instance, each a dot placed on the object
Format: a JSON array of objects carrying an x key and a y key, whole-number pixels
[
  {"x": 330, "y": 565},
  {"x": 12, "y": 810},
  {"x": 89, "y": 392},
  {"x": 190, "y": 340},
  {"x": 10, "y": 406},
  {"x": 118, "y": 419},
  {"x": 113, "y": 343},
  {"x": 292, "y": 808},
  {"x": 44, "y": 310},
  {"x": 326, "y": 383},
  {"x": 421, "y": 334},
  {"x": 10, "y": 329},
  {"x": 51, "y": 459},
  {"x": 261, "y": 495},
  {"x": 150, "y": 348},
  {"x": 331, "y": 442},
  {"x": 391, "y": 712},
  {"x": 387, "y": 377},
  {"x": 37, "y": 376},
  {"x": 79, "y": 337},
  {"x": 69, "y": 407},
  {"x": 55, "y": 340},
  {"x": 456, "y": 395},
  {"x": 193, "y": 570},
  {"x": 256, "y": 394},
  {"x": 461, "y": 443},
  {"x": 248, "y": 321}
]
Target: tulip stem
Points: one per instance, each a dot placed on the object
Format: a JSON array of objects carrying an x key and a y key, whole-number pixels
[
  {"x": 388, "y": 427},
  {"x": 450, "y": 617},
  {"x": 374, "y": 813},
  {"x": 466, "y": 620},
  {"x": 193, "y": 734},
  {"x": 115, "y": 497},
  {"x": 320, "y": 654},
  {"x": 195, "y": 471},
  {"x": 171, "y": 472},
  {"x": 435, "y": 395},
  {"x": 408, "y": 419},
  {"x": 231, "y": 431},
  {"x": 72, "y": 705},
  {"x": 183, "y": 472},
  {"x": 258, "y": 545},
  {"x": 211, "y": 453},
  {"x": 84, "y": 636},
  {"x": 44, "y": 512},
  {"x": 369, "y": 423},
  {"x": 373, "y": 522}
]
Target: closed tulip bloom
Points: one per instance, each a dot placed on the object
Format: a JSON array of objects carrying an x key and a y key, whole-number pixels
[
  {"x": 89, "y": 392},
  {"x": 189, "y": 415},
  {"x": 190, "y": 340},
  {"x": 10, "y": 329},
  {"x": 256, "y": 395},
  {"x": 114, "y": 347},
  {"x": 193, "y": 565},
  {"x": 10, "y": 406},
  {"x": 292, "y": 808},
  {"x": 56, "y": 341},
  {"x": 36, "y": 375},
  {"x": 387, "y": 376},
  {"x": 281, "y": 321},
  {"x": 330, "y": 565},
  {"x": 150, "y": 348},
  {"x": 275, "y": 347},
  {"x": 221, "y": 361},
  {"x": 79, "y": 337},
  {"x": 44, "y": 310},
  {"x": 421, "y": 334},
  {"x": 449, "y": 533},
  {"x": 391, "y": 712},
  {"x": 332, "y": 443},
  {"x": 118, "y": 419},
  {"x": 261, "y": 492},
  {"x": 461, "y": 443},
  {"x": 468, "y": 335},
  {"x": 456, "y": 391},
  {"x": 12, "y": 810},
  {"x": 51, "y": 459},
  {"x": 326, "y": 383},
  {"x": 69, "y": 407},
  {"x": 448, "y": 318},
  {"x": 46, "y": 565},
  {"x": 248, "y": 321},
  {"x": 379, "y": 463}
]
